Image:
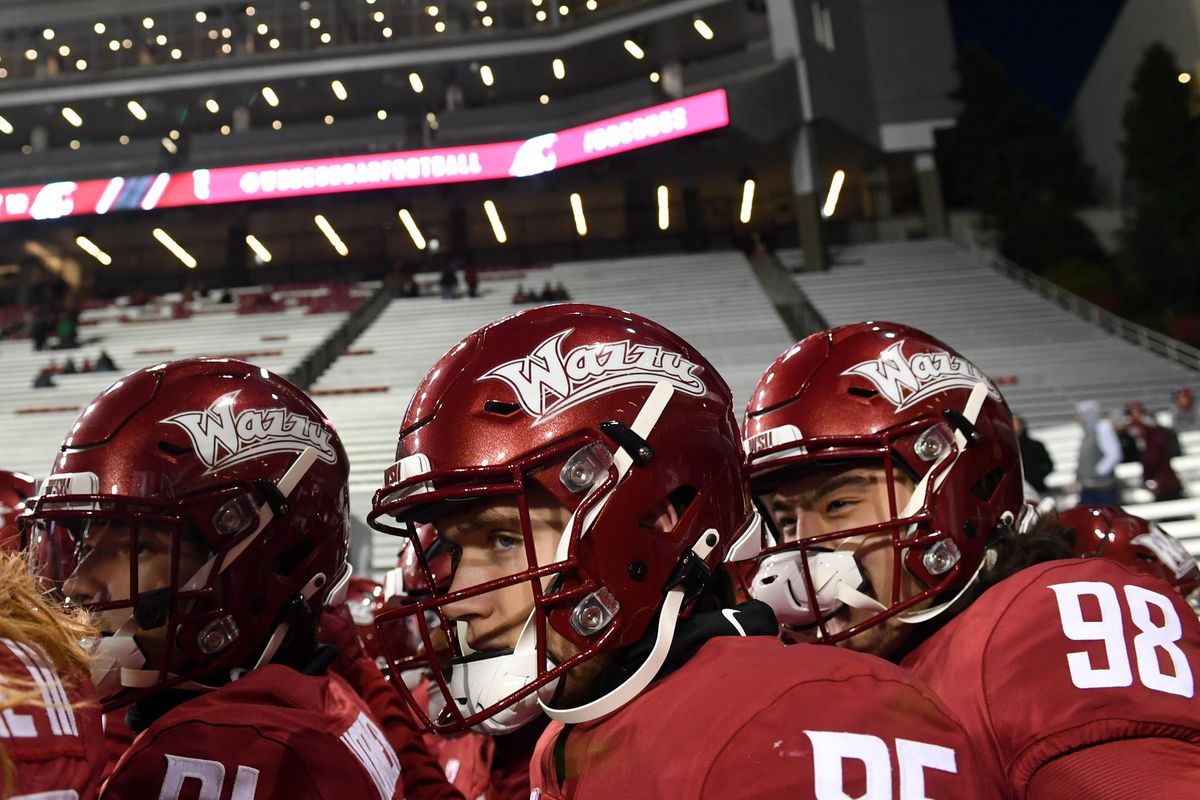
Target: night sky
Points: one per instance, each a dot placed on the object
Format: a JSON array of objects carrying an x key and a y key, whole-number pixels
[{"x": 1046, "y": 46}]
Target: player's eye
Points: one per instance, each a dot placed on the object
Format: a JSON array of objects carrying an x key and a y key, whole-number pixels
[
  {"x": 838, "y": 506},
  {"x": 505, "y": 541}
]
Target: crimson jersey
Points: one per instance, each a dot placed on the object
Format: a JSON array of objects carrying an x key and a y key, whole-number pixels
[
  {"x": 54, "y": 744},
  {"x": 1065, "y": 655},
  {"x": 275, "y": 733},
  {"x": 748, "y": 717},
  {"x": 117, "y": 738}
]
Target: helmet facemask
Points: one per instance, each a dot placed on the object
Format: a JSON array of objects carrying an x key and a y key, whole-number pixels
[
  {"x": 900, "y": 562},
  {"x": 498, "y": 689},
  {"x": 147, "y": 565}
]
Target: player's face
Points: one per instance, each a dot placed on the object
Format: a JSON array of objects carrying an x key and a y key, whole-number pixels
[
  {"x": 840, "y": 499},
  {"x": 490, "y": 542},
  {"x": 107, "y": 552}
]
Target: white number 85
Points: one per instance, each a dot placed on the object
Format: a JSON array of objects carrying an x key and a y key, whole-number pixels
[{"x": 1110, "y": 629}]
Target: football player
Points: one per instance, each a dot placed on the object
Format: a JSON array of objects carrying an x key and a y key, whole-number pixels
[
  {"x": 198, "y": 510},
  {"x": 479, "y": 765},
  {"x": 50, "y": 738},
  {"x": 889, "y": 467},
  {"x": 1141, "y": 545},
  {"x": 584, "y": 467}
]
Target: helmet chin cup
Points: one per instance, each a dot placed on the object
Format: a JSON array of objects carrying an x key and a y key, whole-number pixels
[
  {"x": 780, "y": 584},
  {"x": 113, "y": 654},
  {"x": 484, "y": 680}
]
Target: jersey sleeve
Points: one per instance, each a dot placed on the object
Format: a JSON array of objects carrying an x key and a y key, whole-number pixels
[
  {"x": 845, "y": 747},
  {"x": 423, "y": 775},
  {"x": 1120, "y": 770},
  {"x": 196, "y": 759}
]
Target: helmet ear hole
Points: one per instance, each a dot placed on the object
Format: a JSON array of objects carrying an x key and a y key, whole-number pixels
[
  {"x": 985, "y": 487},
  {"x": 287, "y": 561}
]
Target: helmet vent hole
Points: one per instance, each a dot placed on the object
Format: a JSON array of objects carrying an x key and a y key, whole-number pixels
[
  {"x": 173, "y": 449},
  {"x": 287, "y": 561},
  {"x": 501, "y": 408},
  {"x": 859, "y": 391},
  {"x": 985, "y": 487}
]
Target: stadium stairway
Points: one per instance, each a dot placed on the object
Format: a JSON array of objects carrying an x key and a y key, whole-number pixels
[
  {"x": 1044, "y": 357},
  {"x": 33, "y": 422},
  {"x": 711, "y": 299}
]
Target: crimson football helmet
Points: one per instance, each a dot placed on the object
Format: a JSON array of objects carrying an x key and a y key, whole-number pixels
[
  {"x": 364, "y": 598},
  {"x": 896, "y": 397},
  {"x": 1111, "y": 532},
  {"x": 233, "y": 476},
  {"x": 614, "y": 417},
  {"x": 15, "y": 489}
]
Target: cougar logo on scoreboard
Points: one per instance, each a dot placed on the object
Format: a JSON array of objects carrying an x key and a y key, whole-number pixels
[
  {"x": 222, "y": 439},
  {"x": 907, "y": 380},
  {"x": 548, "y": 383}
]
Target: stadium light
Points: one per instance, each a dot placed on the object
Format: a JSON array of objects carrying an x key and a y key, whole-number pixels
[
  {"x": 634, "y": 49},
  {"x": 72, "y": 116},
  {"x": 166, "y": 241},
  {"x": 1185, "y": 77},
  {"x": 136, "y": 109},
  {"x": 331, "y": 235},
  {"x": 703, "y": 29},
  {"x": 493, "y": 216},
  {"x": 169, "y": 146},
  {"x": 410, "y": 225},
  {"x": 5, "y": 126},
  {"x": 485, "y": 75},
  {"x": 99, "y": 28},
  {"x": 415, "y": 81},
  {"x": 48, "y": 34},
  {"x": 560, "y": 69},
  {"x": 835, "y": 189},
  {"x": 747, "y": 201},
  {"x": 89, "y": 247},
  {"x": 264, "y": 255},
  {"x": 269, "y": 95},
  {"x": 339, "y": 90},
  {"x": 664, "y": 208},
  {"x": 212, "y": 105},
  {"x": 577, "y": 211}
]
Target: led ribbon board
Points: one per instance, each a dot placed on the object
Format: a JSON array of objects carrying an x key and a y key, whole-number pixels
[{"x": 543, "y": 153}]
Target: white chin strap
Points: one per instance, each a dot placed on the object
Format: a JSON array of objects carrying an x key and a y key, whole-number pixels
[
  {"x": 478, "y": 682},
  {"x": 780, "y": 584},
  {"x": 118, "y": 660},
  {"x": 971, "y": 413},
  {"x": 668, "y": 616}
]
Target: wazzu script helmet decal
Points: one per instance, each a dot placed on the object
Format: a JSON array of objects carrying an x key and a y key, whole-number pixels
[
  {"x": 907, "y": 380},
  {"x": 548, "y": 383},
  {"x": 222, "y": 438}
]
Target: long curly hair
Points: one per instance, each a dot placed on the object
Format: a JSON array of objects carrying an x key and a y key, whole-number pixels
[{"x": 28, "y": 616}]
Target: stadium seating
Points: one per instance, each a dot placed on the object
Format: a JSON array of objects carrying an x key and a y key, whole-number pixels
[
  {"x": 33, "y": 422},
  {"x": 711, "y": 299},
  {"x": 1045, "y": 358}
]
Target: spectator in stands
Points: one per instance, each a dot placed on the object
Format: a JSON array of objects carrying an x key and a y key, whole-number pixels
[
  {"x": 1034, "y": 457},
  {"x": 449, "y": 283},
  {"x": 471, "y": 278},
  {"x": 104, "y": 362},
  {"x": 86, "y": 366},
  {"x": 69, "y": 367},
  {"x": 40, "y": 330},
  {"x": 408, "y": 287},
  {"x": 547, "y": 295},
  {"x": 561, "y": 294},
  {"x": 1154, "y": 446},
  {"x": 44, "y": 379},
  {"x": 1184, "y": 417},
  {"x": 1099, "y": 454},
  {"x": 226, "y": 296},
  {"x": 520, "y": 296}
]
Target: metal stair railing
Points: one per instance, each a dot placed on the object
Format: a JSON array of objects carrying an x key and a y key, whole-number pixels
[{"x": 1171, "y": 349}]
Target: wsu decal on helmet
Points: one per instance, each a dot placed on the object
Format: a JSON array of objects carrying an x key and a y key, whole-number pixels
[
  {"x": 548, "y": 383},
  {"x": 222, "y": 439},
  {"x": 907, "y": 380}
]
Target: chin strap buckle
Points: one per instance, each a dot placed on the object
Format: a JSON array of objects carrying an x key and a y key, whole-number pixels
[{"x": 692, "y": 572}]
